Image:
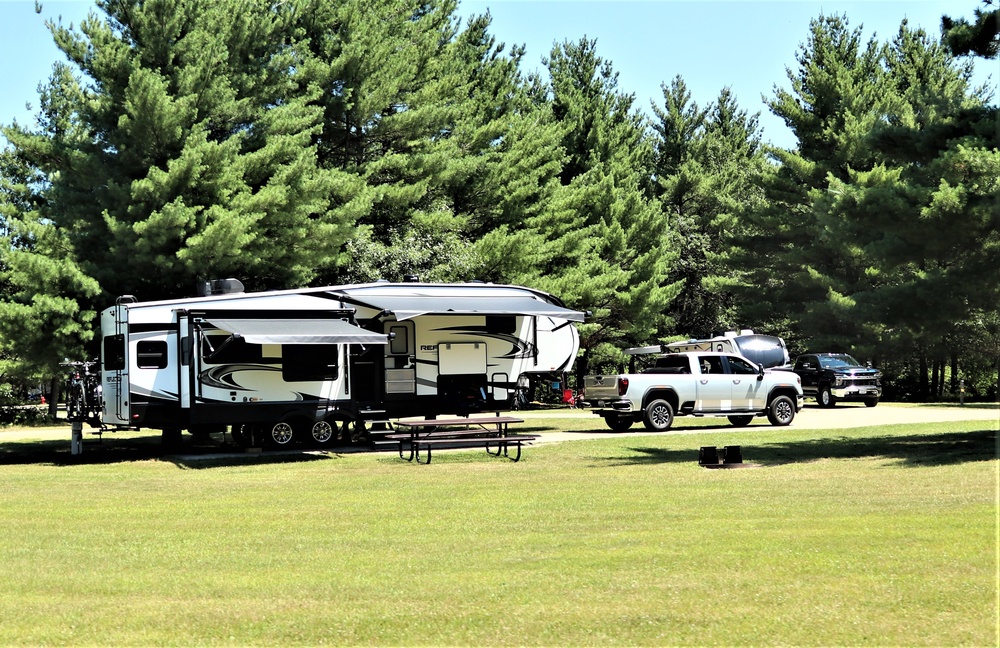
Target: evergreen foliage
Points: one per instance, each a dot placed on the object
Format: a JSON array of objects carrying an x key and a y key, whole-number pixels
[
  {"x": 707, "y": 166},
  {"x": 879, "y": 231},
  {"x": 602, "y": 245},
  {"x": 981, "y": 38},
  {"x": 314, "y": 142}
]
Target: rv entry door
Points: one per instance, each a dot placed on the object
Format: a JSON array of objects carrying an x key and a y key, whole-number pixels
[{"x": 400, "y": 361}]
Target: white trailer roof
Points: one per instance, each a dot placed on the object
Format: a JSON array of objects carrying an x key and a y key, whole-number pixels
[{"x": 406, "y": 307}]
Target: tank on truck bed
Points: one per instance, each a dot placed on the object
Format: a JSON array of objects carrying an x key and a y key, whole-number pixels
[{"x": 765, "y": 350}]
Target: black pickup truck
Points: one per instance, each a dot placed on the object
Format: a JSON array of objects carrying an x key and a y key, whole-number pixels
[{"x": 832, "y": 377}]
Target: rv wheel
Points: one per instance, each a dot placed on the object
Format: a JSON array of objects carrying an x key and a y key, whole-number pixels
[
  {"x": 241, "y": 435},
  {"x": 323, "y": 433},
  {"x": 280, "y": 435}
]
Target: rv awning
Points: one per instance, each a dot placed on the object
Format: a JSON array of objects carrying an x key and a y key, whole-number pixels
[
  {"x": 298, "y": 331},
  {"x": 411, "y": 306}
]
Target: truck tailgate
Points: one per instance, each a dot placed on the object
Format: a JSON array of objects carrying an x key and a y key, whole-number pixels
[{"x": 600, "y": 387}]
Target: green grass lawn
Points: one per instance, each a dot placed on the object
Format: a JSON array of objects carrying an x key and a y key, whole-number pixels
[{"x": 872, "y": 536}]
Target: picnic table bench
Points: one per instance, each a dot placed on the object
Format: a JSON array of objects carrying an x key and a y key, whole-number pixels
[{"x": 462, "y": 432}]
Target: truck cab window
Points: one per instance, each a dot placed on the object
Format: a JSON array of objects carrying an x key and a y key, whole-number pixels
[
  {"x": 711, "y": 364},
  {"x": 740, "y": 366}
]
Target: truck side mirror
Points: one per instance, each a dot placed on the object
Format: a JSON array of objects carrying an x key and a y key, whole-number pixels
[{"x": 760, "y": 372}]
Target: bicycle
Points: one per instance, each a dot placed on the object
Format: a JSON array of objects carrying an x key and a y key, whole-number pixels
[{"x": 83, "y": 393}]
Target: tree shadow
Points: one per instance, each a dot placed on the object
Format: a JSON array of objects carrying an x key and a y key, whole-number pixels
[
  {"x": 910, "y": 451},
  {"x": 215, "y": 451}
]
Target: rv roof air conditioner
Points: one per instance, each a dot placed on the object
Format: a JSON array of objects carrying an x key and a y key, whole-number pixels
[{"x": 220, "y": 287}]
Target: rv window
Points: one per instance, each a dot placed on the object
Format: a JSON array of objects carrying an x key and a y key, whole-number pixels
[
  {"x": 114, "y": 352},
  {"x": 399, "y": 342},
  {"x": 301, "y": 362},
  {"x": 501, "y": 323},
  {"x": 151, "y": 354},
  {"x": 216, "y": 351}
]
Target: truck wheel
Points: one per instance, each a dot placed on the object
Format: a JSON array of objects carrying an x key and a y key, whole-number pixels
[
  {"x": 871, "y": 402},
  {"x": 741, "y": 420},
  {"x": 658, "y": 416},
  {"x": 825, "y": 398},
  {"x": 781, "y": 411},
  {"x": 618, "y": 423},
  {"x": 279, "y": 435}
]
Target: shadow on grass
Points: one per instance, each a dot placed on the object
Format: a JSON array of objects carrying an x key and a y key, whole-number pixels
[
  {"x": 194, "y": 453},
  {"x": 911, "y": 451}
]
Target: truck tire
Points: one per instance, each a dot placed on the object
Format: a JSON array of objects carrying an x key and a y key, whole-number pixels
[
  {"x": 781, "y": 411},
  {"x": 825, "y": 398},
  {"x": 741, "y": 420},
  {"x": 618, "y": 423},
  {"x": 871, "y": 402},
  {"x": 658, "y": 415}
]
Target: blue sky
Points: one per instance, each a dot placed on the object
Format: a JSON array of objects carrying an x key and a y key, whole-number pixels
[{"x": 743, "y": 44}]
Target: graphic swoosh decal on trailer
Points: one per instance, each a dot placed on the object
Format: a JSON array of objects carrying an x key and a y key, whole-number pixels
[{"x": 225, "y": 376}]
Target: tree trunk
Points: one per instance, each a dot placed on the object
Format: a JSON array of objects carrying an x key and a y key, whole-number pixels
[
  {"x": 582, "y": 367},
  {"x": 54, "y": 385},
  {"x": 922, "y": 389},
  {"x": 954, "y": 372}
]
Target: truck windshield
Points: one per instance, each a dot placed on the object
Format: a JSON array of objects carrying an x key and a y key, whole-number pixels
[{"x": 838, "y": 361}]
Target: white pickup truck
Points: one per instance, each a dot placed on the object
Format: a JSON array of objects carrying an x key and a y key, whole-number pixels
[{"x": 696, "y": 384}]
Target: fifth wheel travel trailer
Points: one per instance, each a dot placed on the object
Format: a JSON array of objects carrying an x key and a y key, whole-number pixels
[{"x": 283, "y": 366}]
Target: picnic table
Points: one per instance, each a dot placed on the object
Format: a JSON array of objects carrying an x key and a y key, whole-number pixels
[{"x": 460, "y": 432}]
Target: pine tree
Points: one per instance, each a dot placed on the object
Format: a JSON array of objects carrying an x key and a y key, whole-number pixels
[
  {"x": 602, "y": 244},
  {"x": 706, "y": 167},
  {"x": 802, "y": 273},
  {"x": 928, "y": 216},
  {"x": 437, "y": 123},
  {"x": 981, "y": 38},
  {"x": 41, "y": 321},
  {"x": 185, "y": 151}
]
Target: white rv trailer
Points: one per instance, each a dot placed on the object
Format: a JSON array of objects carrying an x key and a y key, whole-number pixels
[{"x": 282, "y": 366}]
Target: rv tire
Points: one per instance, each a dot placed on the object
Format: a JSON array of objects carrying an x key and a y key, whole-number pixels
[
  {"x": 171, "y": 438},
  {"x": 323, "y": 433},
  {"x": 279, "y": 435},
  {"x": 242, "y": 435}
]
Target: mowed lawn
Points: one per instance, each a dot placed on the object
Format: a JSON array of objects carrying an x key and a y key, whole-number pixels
[{"x": 870, "y": 536}]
